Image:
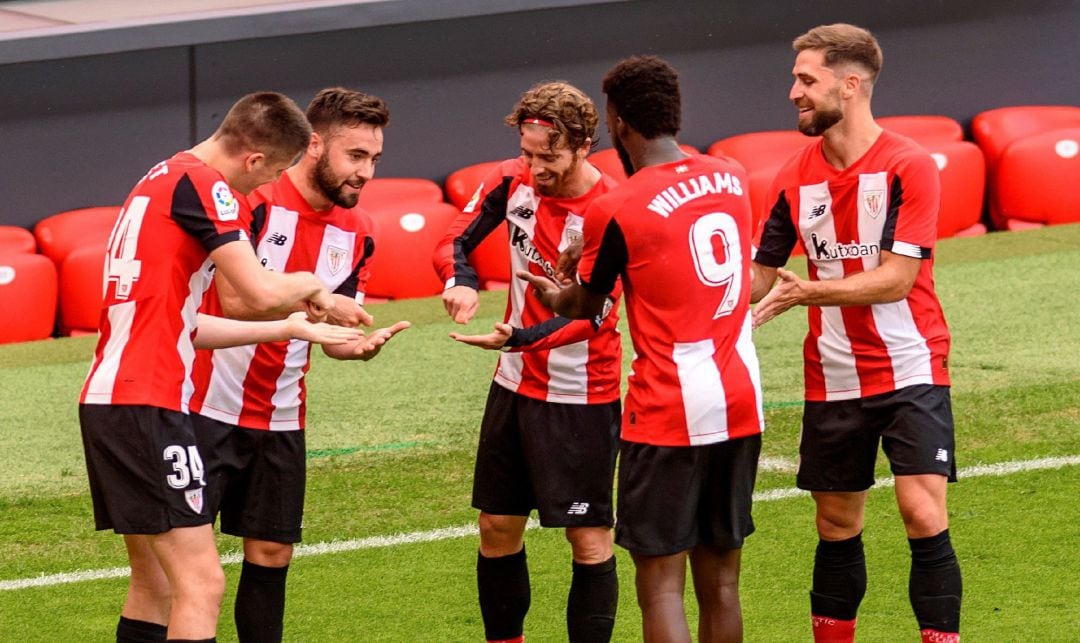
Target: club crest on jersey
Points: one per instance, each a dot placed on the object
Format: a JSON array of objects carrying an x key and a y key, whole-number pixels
[
  {"x": 873, "y": 202},
  {"x": 228, "y": 208},
  {"x": 194, "y": 499},
  {"x": 335, "y": 259}
]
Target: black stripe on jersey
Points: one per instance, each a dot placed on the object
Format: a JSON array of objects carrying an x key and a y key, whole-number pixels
[
  {"x": 779, "y": 236},
  {"x": 258, "y": 222},
  {"x": 492, "y": 214},
  {"x": 611, "y": 260},
  {"x": 188, "y": 212},
  {"x": 888, "y": 232},
  {"x": 532, "y": 334},
  {"x": 349, "y": 286}
]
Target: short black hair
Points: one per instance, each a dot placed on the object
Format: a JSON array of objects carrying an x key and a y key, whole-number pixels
[{"x": 645, "y": 93}]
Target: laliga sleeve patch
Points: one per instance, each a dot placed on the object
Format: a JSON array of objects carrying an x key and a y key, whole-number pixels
[{"x": 228, "y": 208}]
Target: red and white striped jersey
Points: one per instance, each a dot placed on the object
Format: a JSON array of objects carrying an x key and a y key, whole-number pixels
[
  {"x": 549, "y": 358},
  {"x": 261, "y": 386},
  {"x": 156, "y": 271},
  {"x": 887, "y": 201},
  {"x": 679, "y": 233}
]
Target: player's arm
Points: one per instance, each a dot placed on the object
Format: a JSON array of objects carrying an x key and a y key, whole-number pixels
[
  {"x": 573, "y": 301},
  {"x": 218, "y": 332},
  {"x": 604, "y": 258},
  {"x": 366, "y": 346},
  {"x": 481, "y": 217},
  {"x": 890, "y": 281},
  {"x": 266, "y": 293},
  {"x": 775, "y": 238},
  {"x": 762, "y": 279}
]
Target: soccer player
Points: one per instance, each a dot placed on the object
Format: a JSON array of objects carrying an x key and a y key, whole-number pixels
[
  {"x": 249, "y": 402},
  {"x": 863, "y": 203},
  {"x": 678, "y": 232},
  {"x": 145, "y": 469},
  {"x": 548, "y": 437}
]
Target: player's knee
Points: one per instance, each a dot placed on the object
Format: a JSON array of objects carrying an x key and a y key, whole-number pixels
[
  {"x": 268, "y": 554},
  {"x": 591, "y": 545},
  {"x": 925, "y": 520},
  {"x": 500, "y": 535},
  {"x": 201, "y": 581}
]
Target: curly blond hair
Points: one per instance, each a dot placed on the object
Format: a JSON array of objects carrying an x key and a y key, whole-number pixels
[{"x": 570, "y": 111}]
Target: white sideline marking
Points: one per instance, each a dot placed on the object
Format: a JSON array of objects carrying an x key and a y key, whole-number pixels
[{"x": 446, "y": 533}]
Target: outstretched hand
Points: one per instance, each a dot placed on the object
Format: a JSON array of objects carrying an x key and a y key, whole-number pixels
[
  {"x": 494, "y": 340},
  {"x": 320, "y": 332},
  {"x": 789, "y": 291},
  {"x": 370, "y": 345}
]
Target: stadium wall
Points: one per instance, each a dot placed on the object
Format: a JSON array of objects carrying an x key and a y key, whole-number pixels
[{"x": 79, "y": 130}]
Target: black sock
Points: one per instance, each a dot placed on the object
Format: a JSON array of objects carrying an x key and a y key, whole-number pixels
[
  {"x": 935, "y": 586},
  {"x": 839, "y": 578},
  {"x": 593, "y": 599},
  {"x": 129, "y": 630},
  {"x": 260, "y": 603},
  {"x": 503, "y": 583}
]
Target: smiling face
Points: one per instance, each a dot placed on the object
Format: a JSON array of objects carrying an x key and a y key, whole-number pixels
[
  {"x": 554, "y": 170},
  {"x": 816, "y": 92},
  {"x": 347, "y": 162}
]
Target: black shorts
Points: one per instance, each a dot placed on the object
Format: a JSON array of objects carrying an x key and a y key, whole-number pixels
[
  {"x": 556, "y": 458},
  {"x": 257, "y": 478},
  {"x": 145, "y": 469},
  {"x": 839, "y": 440},
  {"x": 674, "y": 498}
]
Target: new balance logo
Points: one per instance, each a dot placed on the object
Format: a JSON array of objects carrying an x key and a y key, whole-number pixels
[
  {"x": 522, "y": 212},
  {"x": 816, "y": 211},
  {"x": 578, "y": 509},
  {"x": 277, "y": 239},
  {"x": 942, "y": 455}
]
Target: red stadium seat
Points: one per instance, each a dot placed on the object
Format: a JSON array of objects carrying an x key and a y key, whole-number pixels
[
  {"x": 28, "y": 293},
  {"x": 994, "y": 130},
  {"x": 16, "y": 240},
  {"x": 963, "y": 184},
  {"x": 405, "y": 237},
  {"x": 378, "y": 192},
  {"x": 607, "y": 160},
  {"x": 462, "y": 184},
  {"x": 1038, "y": 180},
  {"x": 81, "y": 290},
  {"x": 59, "y": 234},
  {"x": 762, "y": 154},
  {"x": 924, "y": 129},
  {"x": 492, "y": 258}
]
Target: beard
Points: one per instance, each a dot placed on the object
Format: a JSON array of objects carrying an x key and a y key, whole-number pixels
[
  {"x": 821, "y": 121},
  {"x": 557, "y": 187},
  {"x": 333, "y": 189},
  {"x": 624, "y": 156}
]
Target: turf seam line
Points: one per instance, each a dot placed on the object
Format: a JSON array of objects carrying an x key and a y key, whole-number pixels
[{"x": 462, "y": 531}]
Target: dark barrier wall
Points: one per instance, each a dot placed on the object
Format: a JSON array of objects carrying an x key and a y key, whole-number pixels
[{"x": 80, "y": 131}]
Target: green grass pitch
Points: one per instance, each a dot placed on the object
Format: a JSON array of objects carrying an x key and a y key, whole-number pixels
[{"x": 390, "y": 452}]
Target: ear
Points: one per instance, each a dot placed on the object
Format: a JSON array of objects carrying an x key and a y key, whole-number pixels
[
  {"x": 852, "y": 83},
  {"x": 253, "y": 159},
  {"x": 585, "y": 148},
  {"x": 316, "y": 145}
]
